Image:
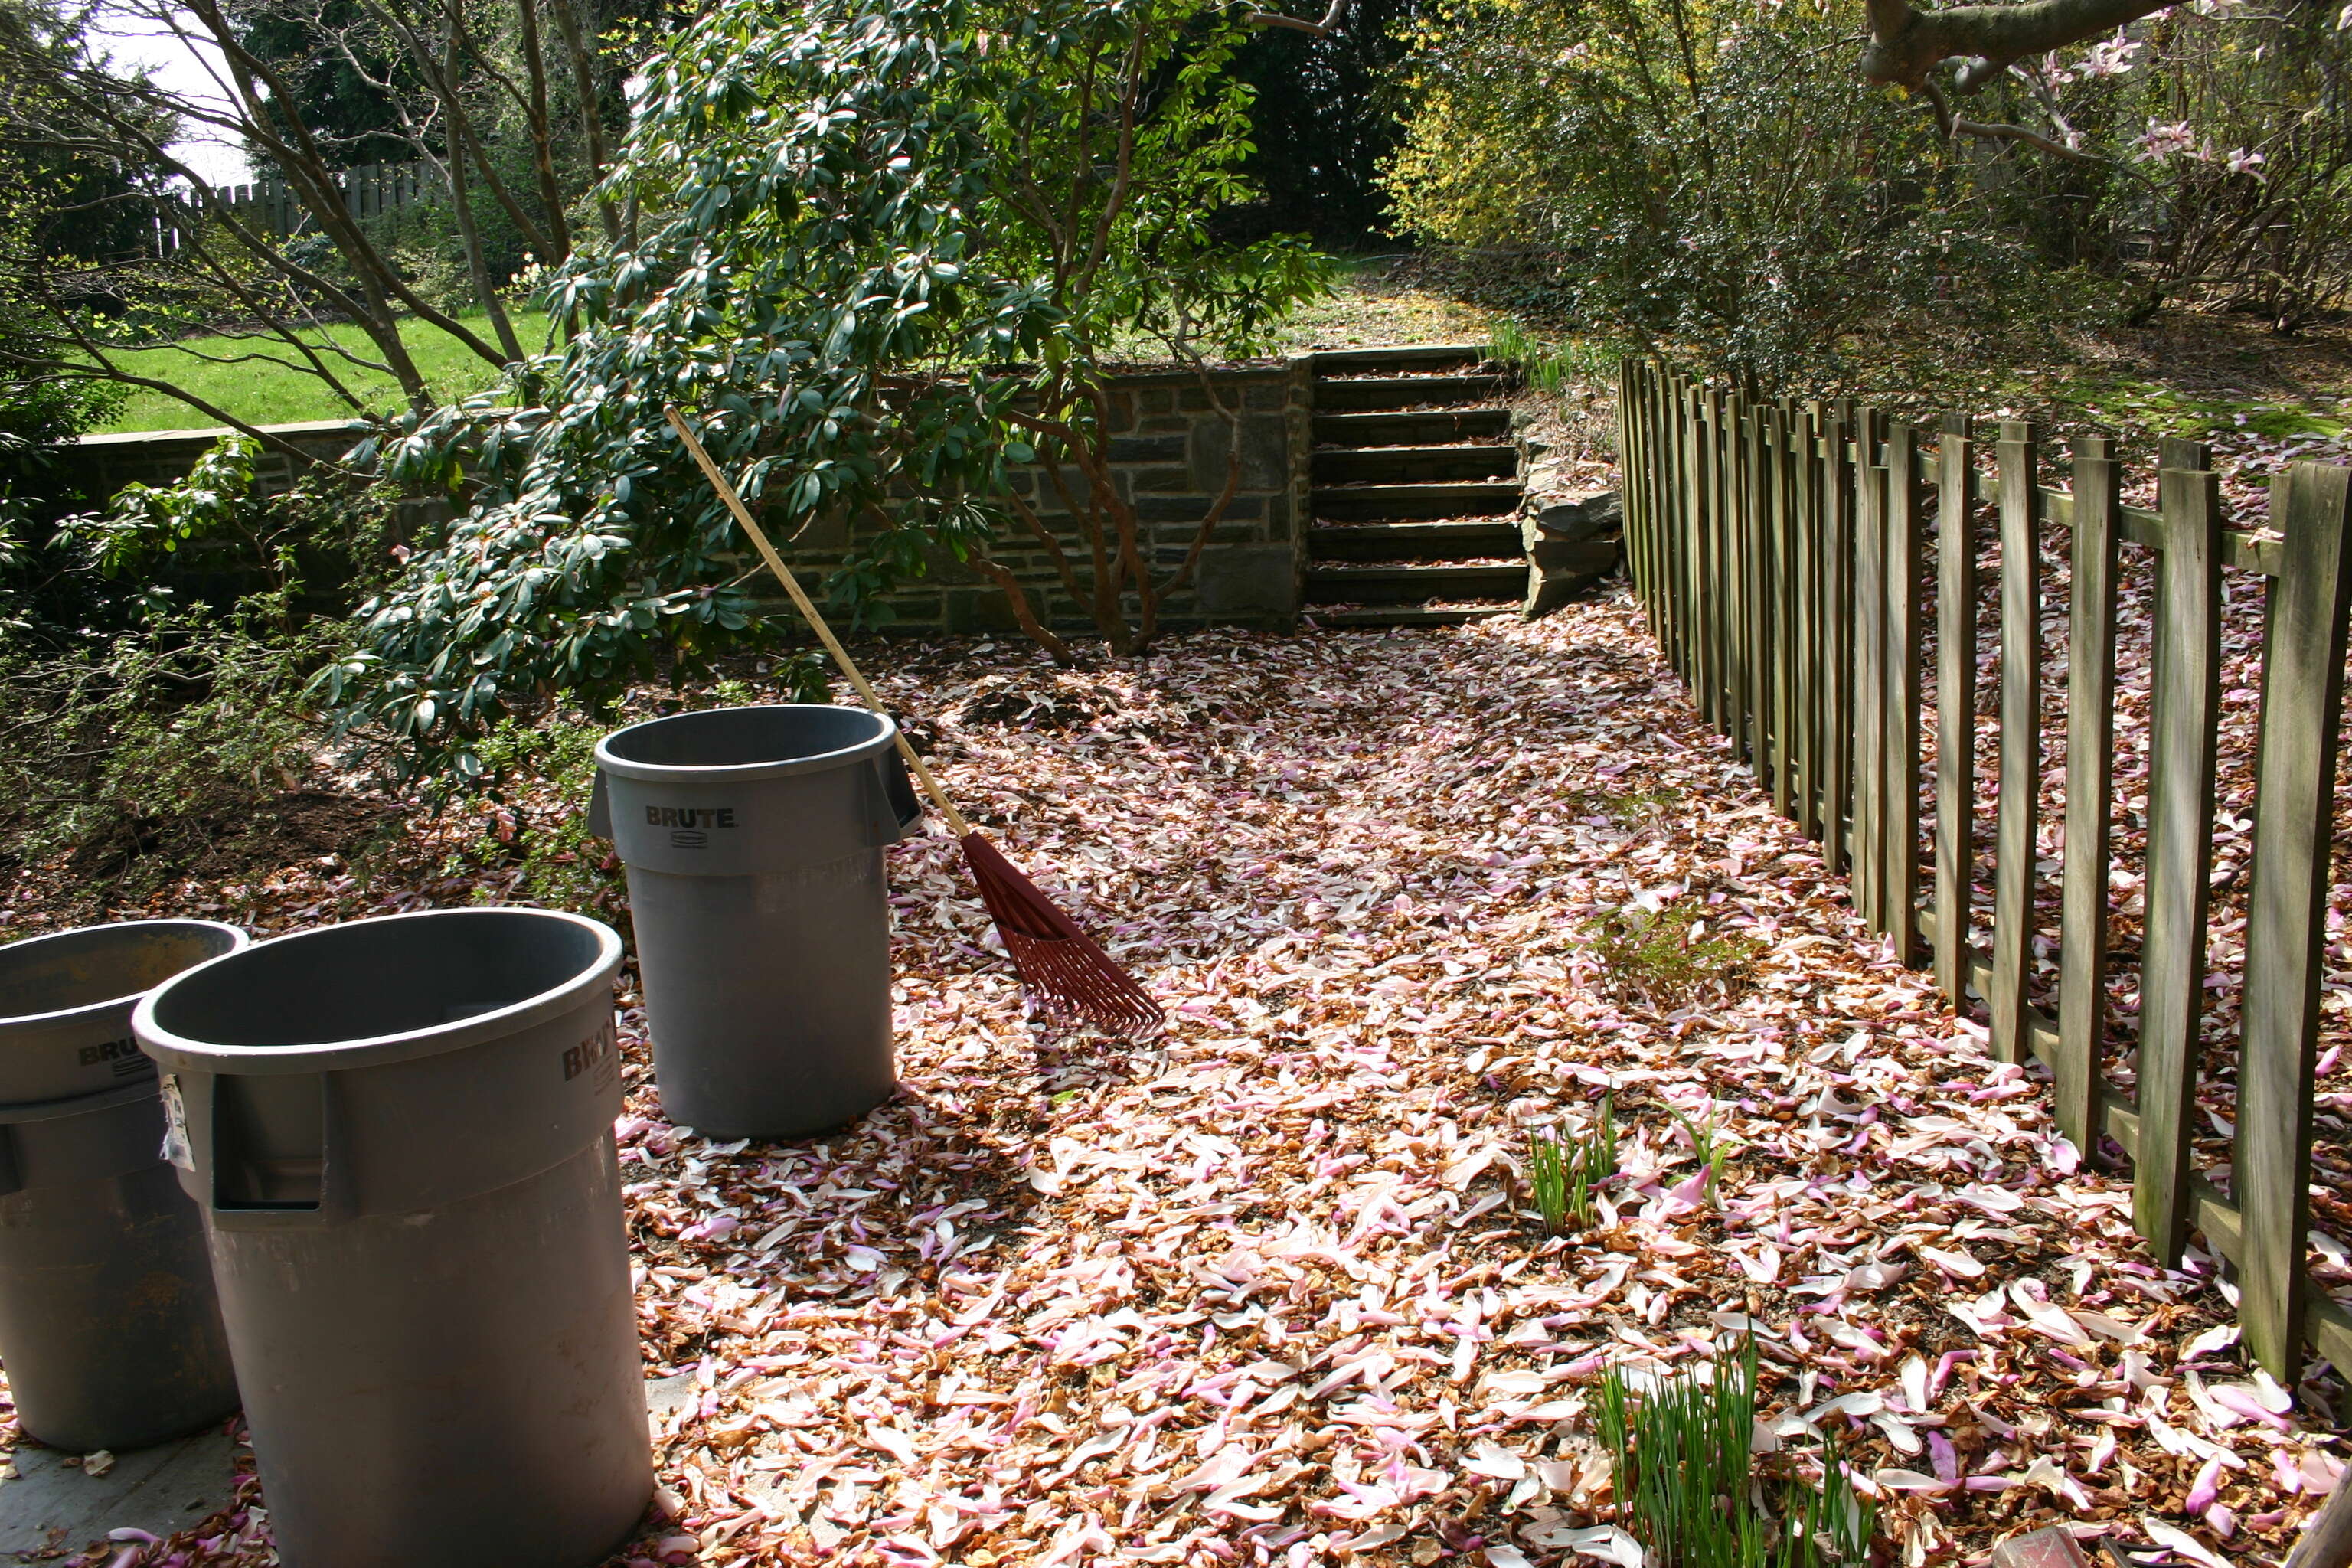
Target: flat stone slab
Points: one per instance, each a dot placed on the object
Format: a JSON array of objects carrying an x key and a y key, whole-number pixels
[{"x": 170, "y": 1486}]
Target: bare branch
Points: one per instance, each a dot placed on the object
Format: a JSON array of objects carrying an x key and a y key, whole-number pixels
[
  {"x": 1906, "y": 44},
  {"x": 1954, "y": 127},
  {"x": 1322, "y": 29}
]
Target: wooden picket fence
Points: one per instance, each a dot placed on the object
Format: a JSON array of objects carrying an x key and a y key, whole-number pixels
[
  {"x": 1779, "y": 549},
  {"x": 271, "y": 206}
]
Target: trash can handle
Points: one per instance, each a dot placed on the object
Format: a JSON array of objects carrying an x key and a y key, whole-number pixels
[
  {"x": 274, "y": 1197},
  {"x": 600, "y": 809},
  {"x": 901, "y": 790},
  {"x": 899, "y": 807}
]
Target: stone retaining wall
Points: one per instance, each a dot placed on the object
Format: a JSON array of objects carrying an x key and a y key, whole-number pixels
[
  {"x": 96, "y": 465},
  {"x": 1168, "y": 459}
]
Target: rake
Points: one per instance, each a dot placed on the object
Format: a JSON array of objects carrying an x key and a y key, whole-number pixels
[{"x": 1061, "y": 967}]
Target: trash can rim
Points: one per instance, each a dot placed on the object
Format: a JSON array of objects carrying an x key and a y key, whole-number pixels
[
  {"x": 179, "y": 1054},
  {"x": 14, "y": 1021},
  {"x": 781, "y": 767}
]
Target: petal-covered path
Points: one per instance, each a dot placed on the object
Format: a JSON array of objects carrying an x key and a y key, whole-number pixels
[{"x": 1267, "y": 1291}]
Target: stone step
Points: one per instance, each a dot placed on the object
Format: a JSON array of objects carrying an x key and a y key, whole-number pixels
[
  {"x": 1403, "y": 465},
  {"x": 1423, "y": 429},
  {"x": 1374, "y": 616},
  {"x": 1413, "y": 502},
  {"x": 1456, "y": 541},
  {"x": 1388, "y": 394},
  {"x": 1416, "y": 357},
  {"x": 1417, "y": 584}
]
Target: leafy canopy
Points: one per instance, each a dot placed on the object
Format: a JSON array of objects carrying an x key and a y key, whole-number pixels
[
  {"x": 872, "y": 229},
  {"x": 1706, "y": 175}
]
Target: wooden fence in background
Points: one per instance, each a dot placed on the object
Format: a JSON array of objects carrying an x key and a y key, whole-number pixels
[
  {"x": 368, "y": 191},
  {"x": 1779, "y": 549}
]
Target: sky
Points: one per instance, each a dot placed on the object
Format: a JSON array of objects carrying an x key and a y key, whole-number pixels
[{"x": 135, "y": 39}]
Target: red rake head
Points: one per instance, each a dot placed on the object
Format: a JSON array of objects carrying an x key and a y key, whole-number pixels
[{"x": 1059, "y": 964}]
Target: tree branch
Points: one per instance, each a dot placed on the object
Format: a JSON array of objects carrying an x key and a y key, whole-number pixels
[
  {"x": 1906, "y": 44},
  {"x": 1322, "y": 29}
]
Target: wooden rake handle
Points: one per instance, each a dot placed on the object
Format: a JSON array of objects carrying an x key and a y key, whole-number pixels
[{"x": 931, "y": 785}]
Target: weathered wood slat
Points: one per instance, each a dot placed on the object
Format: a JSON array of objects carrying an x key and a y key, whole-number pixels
[
  {"x": 1674, "y": 529},
  {"x": 1673, "y": 487},
  {"x": 2090, "y": 766},
  {"x": 1786, "y": 597},
  {"x": 1752, "y": 569},
  {"x": 2021, "y": 740},
  {"x": 1870, "y": 690},
  {"x": 2185, "y": 712},
  {"x": 1714, "y": 617},
  {"x": 1956, "y": 704},
  {"x": 1635, "y": 411},
  {"x": 2241, "y": 548},
  {"x": 2295, "y": 765},
  {"x": 1838, "y": 500},
  {"x": 1813, "y": 668},
  {"x": 1900, "y": 689}
]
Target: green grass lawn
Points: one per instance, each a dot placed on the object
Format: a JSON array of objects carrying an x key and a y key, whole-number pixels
[
  {"x": 264, "y": 394},
  {"x": 1367, "y": 308}
]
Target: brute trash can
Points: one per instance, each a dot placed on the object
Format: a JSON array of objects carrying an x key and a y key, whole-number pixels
[
  {"x": 400, "y": 1131},
  {"x": 753, "y": 839},
  {"x": 108, "y": 1330}
]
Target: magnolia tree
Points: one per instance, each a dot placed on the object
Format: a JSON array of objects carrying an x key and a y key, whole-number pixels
[{"x": 892, "y": 249}]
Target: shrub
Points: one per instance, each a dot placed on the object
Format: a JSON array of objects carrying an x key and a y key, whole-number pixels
[
  {"x": 1668, "y": 957},
  {"x": 1704, "y": 179},
  {"x": 134, "y": 758},
  {"x": 885, "y": 264}
]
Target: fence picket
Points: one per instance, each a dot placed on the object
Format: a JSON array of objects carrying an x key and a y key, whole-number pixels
[
  {"x": 1806, "y": 646},
  {"x": 1956, "y": 706},
  {"x": 2020, "y": 740},
  {"x": 1715, "y": 619},
  {"x": 1782, "y": 529},
  {"x": 1870, "y": 680},
  {"x": 1899, "y": 728},
  {"x": 1838, "y": 636},
  {"x": 1752, "y": 567},
  {"x": 1672, "y": 494},
  {"x": 2185, "y": 715},
  {"x": 2295, "y": 764},
  {"x": 2090, "y": 768}
]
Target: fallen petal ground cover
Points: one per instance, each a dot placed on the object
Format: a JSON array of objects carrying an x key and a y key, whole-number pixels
[{"x": 1269, "y": 1290}]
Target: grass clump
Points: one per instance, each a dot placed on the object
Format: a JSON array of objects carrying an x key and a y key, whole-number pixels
[
  {"x": 1564, "y": 1174},
  {"x": 1685, "y": 1485},
  {"x": 1668, "y": 957},
  {"x": 1551, "y": 368},
  {"x": 1706, "y": 1142}
]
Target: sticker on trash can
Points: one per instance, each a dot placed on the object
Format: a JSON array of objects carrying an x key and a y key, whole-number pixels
[
  {"x": 595, "y": 1055},
  {"x": 176, "y": 1127}
]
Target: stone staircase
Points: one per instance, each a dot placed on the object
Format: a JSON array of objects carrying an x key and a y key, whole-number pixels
[{"x": 1416, "y": 491}]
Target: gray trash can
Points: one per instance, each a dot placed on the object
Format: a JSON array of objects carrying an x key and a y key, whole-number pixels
[
  {"x": 753, "y": 838},
  {"x": 401, "y": 1133},
  {"x": 108, "y": 1328}
]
